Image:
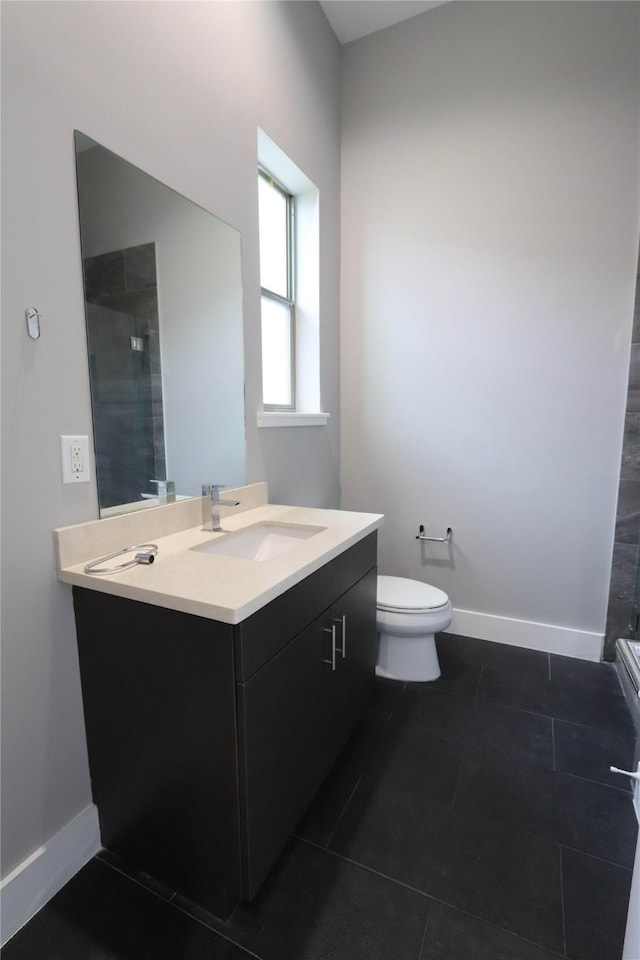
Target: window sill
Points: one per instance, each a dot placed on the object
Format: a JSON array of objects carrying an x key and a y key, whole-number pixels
[{"x": 272, "y": 419}]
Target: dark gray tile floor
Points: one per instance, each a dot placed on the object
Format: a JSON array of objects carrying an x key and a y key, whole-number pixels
[{"x": 473, "y": 818}]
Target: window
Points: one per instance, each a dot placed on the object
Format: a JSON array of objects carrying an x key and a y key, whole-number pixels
[
  {"x": 276, "y": 210},
  {"x": 289, "y": 238}
]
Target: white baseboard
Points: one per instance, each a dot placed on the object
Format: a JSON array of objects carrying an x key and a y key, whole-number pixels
[
  {"x": 526, "y": 633},
  {"x": 38, "y": 878}
]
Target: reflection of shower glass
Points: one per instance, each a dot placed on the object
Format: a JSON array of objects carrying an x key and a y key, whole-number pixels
[{"x": 122, "y": 331}]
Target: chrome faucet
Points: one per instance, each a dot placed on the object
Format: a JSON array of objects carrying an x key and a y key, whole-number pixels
[
  {"x": 211, "y": 503},
  {"x": 166, "y": 490}
]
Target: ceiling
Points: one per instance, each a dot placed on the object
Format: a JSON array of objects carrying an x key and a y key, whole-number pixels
[{"x": 352, "y": 19}]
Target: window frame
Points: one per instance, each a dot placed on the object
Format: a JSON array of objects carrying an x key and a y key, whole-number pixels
[{"x": 289, "y": 300}]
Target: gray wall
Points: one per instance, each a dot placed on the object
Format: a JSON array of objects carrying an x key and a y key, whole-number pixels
[
  {"x": 489, "y": 241},
  {"x": 178, "y": 89}
]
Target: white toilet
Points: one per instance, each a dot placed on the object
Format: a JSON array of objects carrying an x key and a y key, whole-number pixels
[{"x": 409, "y": 613}]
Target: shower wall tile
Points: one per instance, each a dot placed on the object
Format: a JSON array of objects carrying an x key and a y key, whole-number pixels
[
  {"x": 630, "y": 466},
  {"x": 623, "y": 571},
  {"x": 618, "y": 627},
  {"x": 633, "y": 395},
  {"x": 628, "y": 518},
  {"x": 623, "y": 591},
  {"x": 621, "y": 595}
]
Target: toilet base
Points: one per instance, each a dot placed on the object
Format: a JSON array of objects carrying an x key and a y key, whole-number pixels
[{"x": 409, "y": 658}]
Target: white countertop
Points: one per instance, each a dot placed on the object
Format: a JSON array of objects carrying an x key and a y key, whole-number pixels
[{"x": 224, "y": 588}]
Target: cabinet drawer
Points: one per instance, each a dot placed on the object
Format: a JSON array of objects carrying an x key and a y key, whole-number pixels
[{"x": 259, "y": 637}]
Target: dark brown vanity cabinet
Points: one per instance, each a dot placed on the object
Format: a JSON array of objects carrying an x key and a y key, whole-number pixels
[
  {"x": 207, "y": 741},
  {"x": 295, "y": 716}
]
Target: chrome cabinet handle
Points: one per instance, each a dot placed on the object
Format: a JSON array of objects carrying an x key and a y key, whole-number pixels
[
  {"x": 332, "y": 631},
  {"x": 343, "y": 623}
]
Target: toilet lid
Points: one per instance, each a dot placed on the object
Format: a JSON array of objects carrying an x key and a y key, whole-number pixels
[{"x": 398, "y": 593}]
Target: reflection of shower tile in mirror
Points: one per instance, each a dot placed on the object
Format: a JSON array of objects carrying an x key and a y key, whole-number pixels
[
  {"x": 141, "y": 304},
  {"x": 103, "y": 276},
  {"x": 140, "y": 266},
  {"x": 154, "y": 354},
  {"x": 109, "y": 334},
  {"x": 119, "y": 456},
  {"x": 124, "y": 344},
  {"x": 158, "y": 440}
]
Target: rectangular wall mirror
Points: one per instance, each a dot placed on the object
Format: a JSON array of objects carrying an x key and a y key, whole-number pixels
[{"x": 163, "y": 299}]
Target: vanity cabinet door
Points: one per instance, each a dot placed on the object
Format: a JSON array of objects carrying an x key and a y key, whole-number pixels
[
  {"x": 285, "y": 753},
  {"x": 354, "y": 619},
  {"x": 160, "y": 714}
]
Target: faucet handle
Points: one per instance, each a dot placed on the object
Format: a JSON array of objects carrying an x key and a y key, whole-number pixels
[{"x": 212, "y": 490}]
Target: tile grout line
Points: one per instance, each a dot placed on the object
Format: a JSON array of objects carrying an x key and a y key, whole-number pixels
[
  {"x": 175, "y": 906},
  {"x": 344, "y": 810},
  {"x": 564, "y": 925},
  {"x": 377, "y": 873},
  {"x": 576, "y": 723},
  {"x": 138, "y": 883},
  {"x": 545, "y": 839},
  {"x": 424, "y": 935},
  {"x": 598, "y": 783},
  {"x": 445, "y": 903},
  {"x": 588, "y": 686},
  {"x": 524, "y": 831},
  {"x": 553, "y": 745},
  {"x": 594, "y": 856}
]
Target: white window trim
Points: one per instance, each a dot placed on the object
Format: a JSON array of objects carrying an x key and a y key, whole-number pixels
[
  {"x": 307, "y": 269},
  {"x": 269, "y": 418}
]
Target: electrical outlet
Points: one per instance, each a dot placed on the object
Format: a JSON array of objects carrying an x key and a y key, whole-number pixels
[
  {"x": 74, "y": 453},
  {"x": 76, "y": 458}
]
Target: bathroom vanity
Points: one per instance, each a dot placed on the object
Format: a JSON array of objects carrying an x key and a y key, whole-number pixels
[{"x": 209, "y": 735}]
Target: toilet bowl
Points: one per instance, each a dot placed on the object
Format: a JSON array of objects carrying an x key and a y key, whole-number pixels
[{"x": 408, "y": 614}]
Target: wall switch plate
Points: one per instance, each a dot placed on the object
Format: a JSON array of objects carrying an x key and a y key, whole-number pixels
[{"x": 74, "y": 454}]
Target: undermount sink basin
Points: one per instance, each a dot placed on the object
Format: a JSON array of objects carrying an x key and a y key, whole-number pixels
[{"x": 264, "y": 541}]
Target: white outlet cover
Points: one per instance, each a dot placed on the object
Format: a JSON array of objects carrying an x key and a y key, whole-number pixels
[{"x": 69, "y": 444}]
